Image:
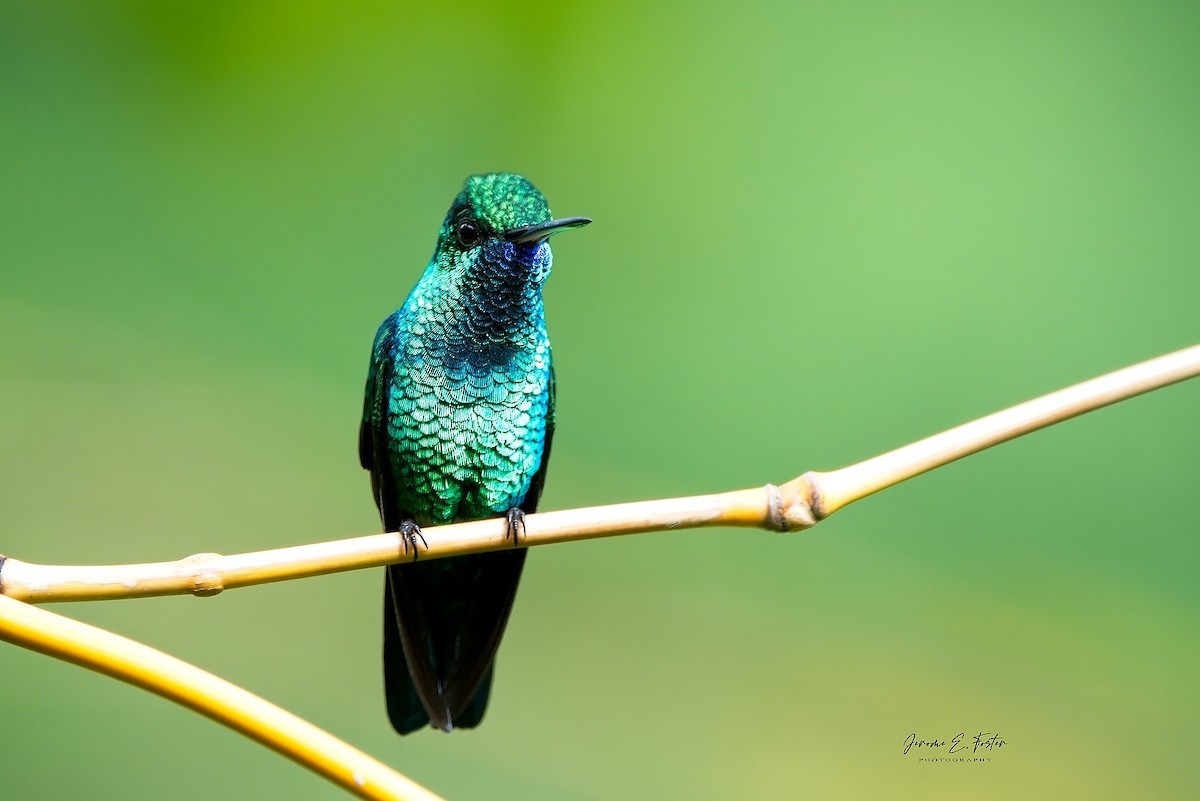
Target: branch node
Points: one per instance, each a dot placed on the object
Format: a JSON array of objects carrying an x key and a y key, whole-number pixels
[
  {"x": 205, "y": 584},
  {"x": 775, "y": 519},
  {"x": 812, "y": 490},
  {"x": 788, "y": 510}
]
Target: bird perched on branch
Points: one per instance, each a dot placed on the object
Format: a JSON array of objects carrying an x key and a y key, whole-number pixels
[{"x": 457, "y": 424}]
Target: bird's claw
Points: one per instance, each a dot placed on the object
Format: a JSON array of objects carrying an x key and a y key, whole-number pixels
[
  {"x": 516, "y": 526},
  {"x": 410, "y": 533}
]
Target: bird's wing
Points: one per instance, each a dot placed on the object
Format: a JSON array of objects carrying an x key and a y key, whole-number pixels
[
  {"x": 372, "y": 432},
  {"x": 405, "y": 709}
]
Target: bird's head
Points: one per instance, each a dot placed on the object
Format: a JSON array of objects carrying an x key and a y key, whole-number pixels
[{"x": 501, "y": 224}]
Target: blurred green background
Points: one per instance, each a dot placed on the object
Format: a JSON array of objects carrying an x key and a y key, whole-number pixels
[{"x": 822, "y": 231}]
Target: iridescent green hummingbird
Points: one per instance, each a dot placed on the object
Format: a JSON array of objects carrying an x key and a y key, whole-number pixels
[{"x": 457, "y": 423}]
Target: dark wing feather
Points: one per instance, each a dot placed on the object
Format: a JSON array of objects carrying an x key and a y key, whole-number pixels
[
  {"x": 472, "y": 716},
  {"x": 404, "y": 706},
  {"x": 372, "y": 431}
]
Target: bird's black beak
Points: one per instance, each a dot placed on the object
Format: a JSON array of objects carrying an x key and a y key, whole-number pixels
[{"x": 536, "y": 233}]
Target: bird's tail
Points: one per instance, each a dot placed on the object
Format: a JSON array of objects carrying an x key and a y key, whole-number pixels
[{"x": 405, "y": 707}]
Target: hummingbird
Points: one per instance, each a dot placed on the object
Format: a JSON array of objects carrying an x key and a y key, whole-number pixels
[{"x": 457, "y": 422}]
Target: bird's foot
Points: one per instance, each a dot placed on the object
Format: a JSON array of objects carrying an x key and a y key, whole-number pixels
[
  {"x": 516, "y": 525},
  {"x": 410, "y": 534}
]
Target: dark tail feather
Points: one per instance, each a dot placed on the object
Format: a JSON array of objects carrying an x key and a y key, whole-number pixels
[
  {"x": 445, "y": 625},
  {"x": 403, "y": 704},
  {"x": 404, "y": 707},
  {"x": 470, "y": 717}
]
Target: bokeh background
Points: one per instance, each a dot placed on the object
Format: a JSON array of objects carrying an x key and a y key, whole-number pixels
[{"x": 822, "y": 231}]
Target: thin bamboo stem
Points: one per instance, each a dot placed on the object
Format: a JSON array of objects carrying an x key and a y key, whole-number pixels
[
  {"x": 798, "y": 504},
  {"x": 840, "y": 488},
  {"x": 189, "y": 686},
  {"x": 208, "y": 574}
]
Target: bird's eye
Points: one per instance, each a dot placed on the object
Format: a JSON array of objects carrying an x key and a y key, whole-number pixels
[{"x": 467, "y": 233}]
